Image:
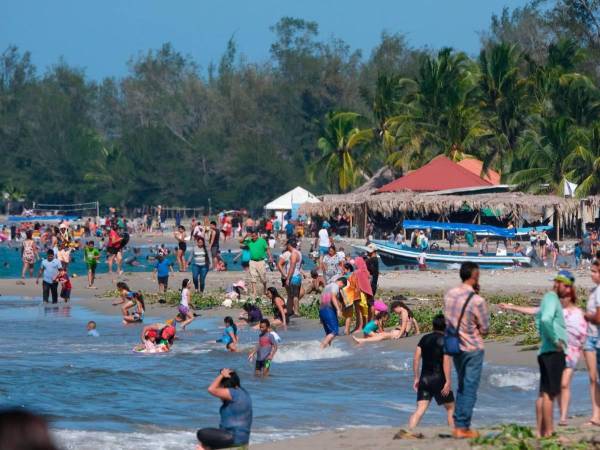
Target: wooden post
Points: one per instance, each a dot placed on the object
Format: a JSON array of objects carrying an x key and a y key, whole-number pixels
[
  {"x": 479, "y": 218},
  {"x": 557, "y": 227},
  {"x": 366, "y": 221}
]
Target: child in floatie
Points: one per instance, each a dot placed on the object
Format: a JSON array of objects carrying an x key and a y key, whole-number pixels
[{"x": 157, "y": 338}]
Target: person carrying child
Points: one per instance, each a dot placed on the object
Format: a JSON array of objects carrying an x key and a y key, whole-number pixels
[{"x": 265, "y": 350}]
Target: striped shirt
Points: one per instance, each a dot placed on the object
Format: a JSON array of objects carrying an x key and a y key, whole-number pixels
[{"x": 475, "y": 322}]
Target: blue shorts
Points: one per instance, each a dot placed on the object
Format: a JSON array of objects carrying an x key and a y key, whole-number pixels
[
  {"x": 329, "y": 320},
  {"x": 591, "y": 344},
  {"x": 323, "y": 250}
]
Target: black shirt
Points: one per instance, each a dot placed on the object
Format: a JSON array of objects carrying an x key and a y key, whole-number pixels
[
  {"x": 432, "y": 353},
  {"x": 372, "y": 263}
]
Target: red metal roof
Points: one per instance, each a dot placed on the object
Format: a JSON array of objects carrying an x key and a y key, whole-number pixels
[
  {"x": 437, "y": 175},
  {"x": 475, "y": 166}
]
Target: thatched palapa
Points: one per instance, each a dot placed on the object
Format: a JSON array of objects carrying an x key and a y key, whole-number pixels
[{"x": 505, "y": 204}]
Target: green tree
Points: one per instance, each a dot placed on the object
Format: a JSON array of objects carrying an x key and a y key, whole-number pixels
[{"x": 342, "y": 160}]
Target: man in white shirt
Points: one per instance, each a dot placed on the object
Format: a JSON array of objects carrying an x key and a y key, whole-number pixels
[{"x": 324, "y": 241}]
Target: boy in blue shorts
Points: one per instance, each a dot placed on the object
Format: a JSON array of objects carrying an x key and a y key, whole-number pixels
[{"x": 330, "y": 310}]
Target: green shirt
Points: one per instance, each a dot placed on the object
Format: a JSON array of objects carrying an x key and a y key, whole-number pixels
[
  {"x": 550, "y": 323},
  {"x": 90, "y": 254},
  {"x": 258, "y": 249}
]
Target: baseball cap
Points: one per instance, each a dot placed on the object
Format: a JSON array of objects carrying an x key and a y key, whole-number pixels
[
  {"x": 151, "y": 334},
  {"x": 565, "y": 277}
]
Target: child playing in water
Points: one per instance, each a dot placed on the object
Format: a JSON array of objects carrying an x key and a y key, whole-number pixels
[
  {"x": 185, "y": 310},
  {"x": 251, "y": 315},
  {"x": 129, "y": 300},
  {"x": 229, "y": 337},
  {"x": 65, "y": 282},
  {"x": 434, "y": 378},
  {"x": 265, "y": 350},
  {"x": 91, "y": 329}
]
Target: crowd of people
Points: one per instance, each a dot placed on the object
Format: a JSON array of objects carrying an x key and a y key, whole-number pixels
[{"x": 347, "y": 286}]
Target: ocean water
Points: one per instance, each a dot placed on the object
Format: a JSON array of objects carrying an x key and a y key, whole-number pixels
[{"x": 98, "y": 394}]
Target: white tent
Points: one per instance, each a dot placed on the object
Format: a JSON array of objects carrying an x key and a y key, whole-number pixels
[{"x": 291, "y": 201}]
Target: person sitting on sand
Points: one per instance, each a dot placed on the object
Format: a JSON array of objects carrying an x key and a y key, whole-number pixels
[
  {"x": 434, "y": 380},
  {"x": 374, "y": 327},
  {"x": 280, "y": 312},
  {"x": 236, "y": 414},
  {"x": 229, "y": 338},
  {"x": 317, "y": 282},
  {"x": 252, "y": 314}
]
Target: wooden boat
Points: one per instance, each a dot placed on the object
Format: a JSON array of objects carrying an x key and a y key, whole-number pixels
[{"x": 397, "y": 255}]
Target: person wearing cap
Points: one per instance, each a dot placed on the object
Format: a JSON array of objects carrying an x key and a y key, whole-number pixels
[
  {"x": 159, "y": 334},
  {"x": 259, "y": 249},
  {"x": 550, "y": 322}
]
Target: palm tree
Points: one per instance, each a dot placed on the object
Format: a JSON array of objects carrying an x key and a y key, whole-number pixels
[
  {"x": 544, "y": 150},
  {"x": 582, "y": 165},
  {"x": 504, "y": 101},
  {"x": 439, "y": 112},
  {"x": 341, "y": 158}
]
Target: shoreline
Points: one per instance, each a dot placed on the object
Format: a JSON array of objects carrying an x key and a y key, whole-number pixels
[{"x": 498, "y": 353}]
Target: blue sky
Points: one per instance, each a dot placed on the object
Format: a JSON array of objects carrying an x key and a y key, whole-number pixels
[{"x": 101, "y": 35}]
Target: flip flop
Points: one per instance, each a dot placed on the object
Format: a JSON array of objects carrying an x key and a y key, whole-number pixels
[{"x": 563, "y": 423}]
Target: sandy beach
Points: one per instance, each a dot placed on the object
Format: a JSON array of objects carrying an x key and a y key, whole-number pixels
[{"x": 418, "y": 285}]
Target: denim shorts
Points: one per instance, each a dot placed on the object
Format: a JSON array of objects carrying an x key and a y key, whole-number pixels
[{"x": 591, "y": 344}]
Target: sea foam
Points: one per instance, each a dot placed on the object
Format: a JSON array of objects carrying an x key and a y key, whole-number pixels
[
  {"x": 520, "y": 379},
  {"x": 307, "y": 351}
]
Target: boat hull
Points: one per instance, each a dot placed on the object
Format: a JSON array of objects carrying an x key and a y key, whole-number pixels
[{"x": 395, "y": 255}]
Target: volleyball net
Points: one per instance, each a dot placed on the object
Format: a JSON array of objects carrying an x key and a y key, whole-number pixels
[{"x": 68, "y": 209}]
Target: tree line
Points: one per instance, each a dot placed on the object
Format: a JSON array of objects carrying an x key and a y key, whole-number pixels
[{"x": 317, "y": 113}]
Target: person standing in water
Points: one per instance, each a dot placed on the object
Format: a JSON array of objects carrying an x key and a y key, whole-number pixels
[
  {"x": 465, "y": 300},
  {"x": 592, "y": 344},
  {"x": 293, "y": 277},
  {"x": 550, "y": 322},
  {"x": 434, "y": 379},
  {"x": 330, "y": 310},
  {"x": 265, "y": 350},
  {"x": 49, "y": 269},
  {"x": 184, "y": 304}
]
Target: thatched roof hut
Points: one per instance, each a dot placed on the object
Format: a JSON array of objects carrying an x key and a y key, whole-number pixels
[{"x": 516, "y": 205}]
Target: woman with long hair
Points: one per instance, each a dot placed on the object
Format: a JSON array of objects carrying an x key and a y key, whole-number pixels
[
  {"x": 280, "y": 312},
  {"x": 200, "y": 264},
  {"x": 29, "y": 254}
]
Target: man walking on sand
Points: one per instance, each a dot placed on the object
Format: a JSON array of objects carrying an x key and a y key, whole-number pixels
[
  {"x": 465, "y": 300},
  {"x": 259, "y": 249}
]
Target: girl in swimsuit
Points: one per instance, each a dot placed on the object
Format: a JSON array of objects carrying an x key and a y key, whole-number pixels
[
  {"x": 181, "y": 248},
  {"x": 280, "y": 313}
]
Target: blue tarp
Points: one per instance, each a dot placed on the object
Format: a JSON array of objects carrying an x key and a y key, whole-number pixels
[
  {"x": 41, "y": 218},
  {"x": 487, "y": 230}
]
